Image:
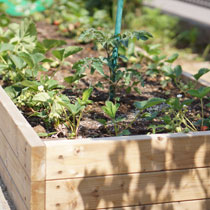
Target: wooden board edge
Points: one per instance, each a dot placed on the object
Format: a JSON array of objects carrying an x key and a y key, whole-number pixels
[
  {"x": 63, "y": 142},
  {"x": 38, "y": 195},
  {"x": 128, "y": 190},
  {"x": 30, "y": 150},
  {"x": 203, "y": 204},
  {"x": 18, "y": 119},
  {"x": 186, "y": 76},
  {"x": 12, "y": 189},
  {"x": 38, "y": 163},
  {"x": 69, "y": 159},
  {"x": 15, "y": 170}
]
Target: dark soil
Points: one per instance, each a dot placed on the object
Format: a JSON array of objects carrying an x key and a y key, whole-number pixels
[{"x": 90, "y": 127}]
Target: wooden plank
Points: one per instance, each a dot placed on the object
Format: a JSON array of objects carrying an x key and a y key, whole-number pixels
[
  {"x": 25, "y": 143},
  {"x": 11, "y": 187},
  {"x": 127, "y": 190},
  {"x": 38, "y": 195},
  {"x": 119, "y": 155},
  {"x": 32, "y": 193},
  {"x": 15, "y": 169},
  {"x": 185, "y": 205}
]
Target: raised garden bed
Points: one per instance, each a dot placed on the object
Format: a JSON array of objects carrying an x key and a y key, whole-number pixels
[{"x": 163, "y": 171}]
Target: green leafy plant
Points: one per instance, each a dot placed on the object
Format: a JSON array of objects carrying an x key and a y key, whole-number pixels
[
  {"x": 22, "y": 59},
  {"x": 73, "y": 112},
  {"x": 4, "y": 18},
  {"x": 200, "y": 93},
  {"x": 127, "y": 78},
  {"x": 110, "y": 109},
  {"x": 174, "y": 118},
  {"x": 72, "y": 17}
]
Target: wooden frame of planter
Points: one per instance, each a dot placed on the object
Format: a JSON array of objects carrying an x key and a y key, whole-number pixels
[{"x": 147, "y": 172}]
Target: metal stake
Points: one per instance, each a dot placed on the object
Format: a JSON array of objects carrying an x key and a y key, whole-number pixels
[{"x": 115, "y": 50}]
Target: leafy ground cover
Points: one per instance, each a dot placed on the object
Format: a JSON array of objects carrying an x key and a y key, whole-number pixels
[{"x": 67, "y": 89}]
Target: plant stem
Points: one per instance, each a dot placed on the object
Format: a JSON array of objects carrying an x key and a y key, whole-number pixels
[
  {"x": 78, "y": 123},
  {"x": 185, "y": 121},
  {"x": 58, "y": 69},
  {"x": 202, "y": 112},
  {"x": 115, "y": 128},
  {"x": 3, "y": 59},
  {"x": 113, "y": 74}
]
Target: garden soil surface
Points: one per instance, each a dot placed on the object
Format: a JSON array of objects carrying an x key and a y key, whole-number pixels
[{"x": 89, "y": 126}]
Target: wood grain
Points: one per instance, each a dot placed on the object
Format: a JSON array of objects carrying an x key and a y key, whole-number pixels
[
  {"x": 12, "y": 188},
  {"x": 185, "y": 205},
  {"x": 66, "y": 159},
  {"x": 25, "y": 143},
  {"x": 31, "y": 193},
  {"x": 126, "y": 190}
]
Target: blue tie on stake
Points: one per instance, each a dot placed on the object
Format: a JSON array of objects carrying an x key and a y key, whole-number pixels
[
  {"x": 115, "y": 51},
  {"x": 25, "y": 7}
]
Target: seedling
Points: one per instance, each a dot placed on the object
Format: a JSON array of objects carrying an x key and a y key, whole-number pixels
[
  {"x": 200, "y": 94},
  {"x": 73, "y": 112},
  {"x": 110, "y": 109}
]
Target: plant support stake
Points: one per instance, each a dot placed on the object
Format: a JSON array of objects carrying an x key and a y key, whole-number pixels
[{"x": 115, "y": 51}]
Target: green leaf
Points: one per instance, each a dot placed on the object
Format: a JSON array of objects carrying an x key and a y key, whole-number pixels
[
  {"x": 98, "y": 66},
  {"x": 79, "y": 66},
  {"x": 31, "y": 84},
  {"x": 172, "y": 58},
  {"x": 74, "y": 109},
  {"x": 201, "y": 73},
  {"x": 166, "y": 119},
  {"x": 28, "y": 29},
  {"x": 102, "y": 121},
  {"x": 124, "y": 133},
  {"x": 59, "y": 53},
  {"x": 52, "y": 84},
  {"x": 51, "y": 43},
  {"x": 74, "y": 78},
  {"x": 46, "y": 134},
  {"x": 143, "y": 35},
  {"x": 38, "y": 57},
  {"x": 174, "y": 103},
  {"x": 71, "y": 50},
  {"x": 119, "y": 75},
  {"x": 27, "y": 58},
  {"x": 168, "y": 71},
  {"x": 86, "y": 94},
  {"x": 137, "y": 90},
  {"x": 25, "y": 34},
  {"x": 149, "y": 103},
  {"x": 3, "y": 67},
  {"x": 178, "y": 70},
  {"x": 19, "y": 62},
  {"x": 41, "y": 97},
  {"x": 194, "y": 93},
  {"x": 4, "y": 19},
  {"x": 187, "y": 102},
  {"x": 6, "y": 47},
  {"x": 13, "y": 91},
  {"x": 56, "y": 109},
  {"x": 200, "y": 93},
  {"x": 110, "y": 109}
]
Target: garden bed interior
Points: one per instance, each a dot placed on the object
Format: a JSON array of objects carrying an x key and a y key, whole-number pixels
[
  {"x": 144, "y": 172},
  {"x": 161, "y": 172}
]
